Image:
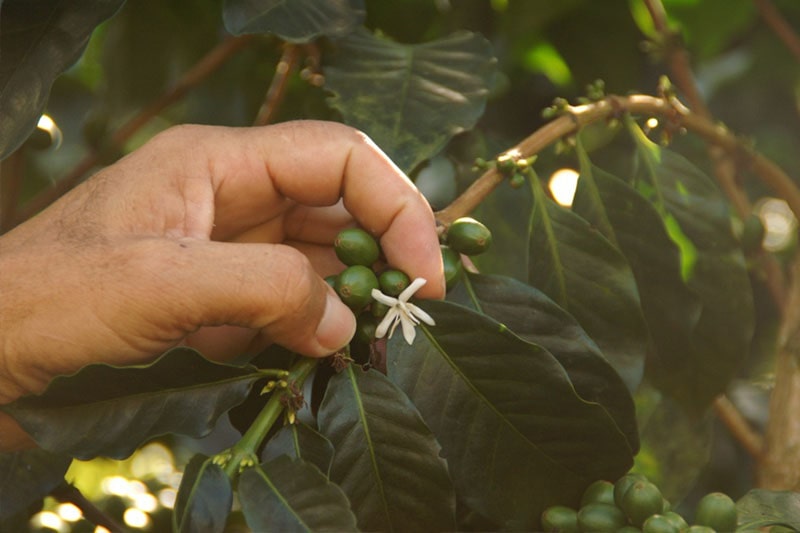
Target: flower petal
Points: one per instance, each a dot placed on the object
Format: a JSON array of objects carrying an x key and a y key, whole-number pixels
[
  {"x": 382, "y": 298},
  {"x": 422, "y": 315},
  {"x": 409, "y": 331},
  {"x": 392, "y": 316},
  {"x": 411, "y": 289}
]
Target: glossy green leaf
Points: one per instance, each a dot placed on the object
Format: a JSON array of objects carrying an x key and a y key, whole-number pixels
[
  {"x": 697, "y": 218},
  {"x": 410, "y": 99},
  {"x": 300, "y": 441},
  {"x": 293, "y": 495},
  {"x": 516, "y": 435},
  {"x": 759, "y": 508},
  {"x": 386, "y": 461},
  {"x": 295, "y": 21},
  {"x": 533, "y": 316},
  {"x": 38, "y": 41},
  {"x": 108, "y": 410},
  {"x": 576, "y": 266},
  {"x": 28, "y": 476},
  {"x": 204, "y": 498}
]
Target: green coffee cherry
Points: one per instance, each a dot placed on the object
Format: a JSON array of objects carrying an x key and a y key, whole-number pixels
[
  {"x": 331, "y": 280},
  {"x": 623, "y": 484},
  {"x": 629, "y": 529},
  {"x": 642, "y": 500},
  {"x": 366, "y": 324},
  {"x": 600, "y": 517},
  {"x": 560, "y": 518},
  {"x": 452, "y": 266},
  {"x": 355, "y": 246},
  {"x": 378, "y": 309},
  {"x": 468, "y": 236},
  {"x": 393, "y": 282},
  {"x": 676, "y": 519},
  {"x": 658, "y": 523},
  {"x": 355, "y": 285},
  {"x": 700, "y": 529},
  {"x": 717, "y": 511},
  {"x": 598, "y": 492}
]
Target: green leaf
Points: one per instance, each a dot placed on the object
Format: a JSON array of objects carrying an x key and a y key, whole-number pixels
[
  {"x": 108, "y": 410},
  {"x": 293, "y": 495},
  {"x": 576, "y": 266},
  {"x": 28, "y": 476},
  {"x": 295, "y": 21},
  {"x": 410, "y": 99},
  {"x": 38, "y": 41},
  {"x": 759, "y": 508},
  {"x": 696, "y": 369},
  {"x": 529, "y": 313},
  {"x": 516, "y": 436},
  {"x": 300, "y": 441},
  {"x": 204, "y": 498},
  {"x": 386, "y": 461}
]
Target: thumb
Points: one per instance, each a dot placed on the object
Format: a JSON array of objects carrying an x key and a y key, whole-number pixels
[{"x": 270, "y": 288}]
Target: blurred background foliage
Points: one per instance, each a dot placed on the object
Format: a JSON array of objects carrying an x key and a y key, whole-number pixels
[{"x": 545, "y": 49}]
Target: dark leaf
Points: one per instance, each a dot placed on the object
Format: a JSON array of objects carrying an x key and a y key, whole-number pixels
[
  {"x": 516, "y": 436},
  {"x": 28, "y": 476},
  {"x": 204, "y": 498},
  {"x": 295, "y": 21},
  {"x": 386, "y": 461},
  {"x": 108, "y": 410},
  {"x": 759, "y": 508},
  {"x": 38, "y": 41},
  {"x": 293, "y": 495},
  {"x": 698, "y": 220},
  {"x": 410, "y": 99},
  {"x": 576, "y": 266},
  {"x": 300, "y": 441},
  {"x": 533, "y": 316}
]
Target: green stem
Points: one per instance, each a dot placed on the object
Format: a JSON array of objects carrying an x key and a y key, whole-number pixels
[{"x": 248, "y": 445}]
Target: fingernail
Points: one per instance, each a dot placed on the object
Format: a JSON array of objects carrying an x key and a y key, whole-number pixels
[{"x": 337, "y": 326}]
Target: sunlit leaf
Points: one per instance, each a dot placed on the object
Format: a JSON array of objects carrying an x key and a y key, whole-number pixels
[
  {"x": 108, "y": 410},
  {"x": 28, "y": 476},
  {"x": 386, "y": 461},
  {"x": 516, "y": 436},
  {"x": 410, "y": 99},
  {"x": 204, "y": 498},
  {"x": 697, "y": 218},
  {"x": 533, "y": 316},
  {"x": 759, "y": 508},
  {"x": 293, "y": 495},
  {"x": 296, "y": 21},
  {"x": 299, "y": 441},
  {"x": 576, "y": 266},
  {"x": 38, "y": 41}
]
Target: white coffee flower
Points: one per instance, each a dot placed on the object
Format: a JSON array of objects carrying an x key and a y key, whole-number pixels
[{"x": 403, "y": 312}]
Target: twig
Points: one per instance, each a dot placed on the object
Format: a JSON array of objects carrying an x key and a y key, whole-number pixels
[
  {"x": 779, "y": 25},
  {"x": 729, "y": 415},
  {"x": 12, "y": 171},
  {"x": 67, "y": 493},
  {"x": 277, "y": 88},
  {"x": 201, "y": 70}
]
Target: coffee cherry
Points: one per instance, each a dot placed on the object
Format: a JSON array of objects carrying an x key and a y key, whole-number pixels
[
  {"x": 658, "y": 523},
  {"x": 600, "y": 517},
  {"x": 378, "y": 309},
  {"x": 468, "y": 236},
  {"x": 560, "y": 518},
  {"x": 393, "y": 282},
  {"x": 452, "y": 266},
  {"x": 366, "y": 324},
  {"x": 717, "y": 511},
  {"x": 598, "y": 492},
  {"x": 676, "y": 519},
  {"x": 355, "y": 285},
  {"x": 331, "y": 280},
  {"x": 623, "y": 484},
  {"x": 355, "y": 246},
  {"x": 642, "y": 500}
]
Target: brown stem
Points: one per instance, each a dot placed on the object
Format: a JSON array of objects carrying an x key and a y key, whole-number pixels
[
  {"x": 782, "y": 29},
  {"x": 12, "y": 172},
  {"x": 750, "y": 440},
  {"x": 277, "y": 89},
  {"x": 200, "y": 71},
  {"x": 67, "y": 493}
]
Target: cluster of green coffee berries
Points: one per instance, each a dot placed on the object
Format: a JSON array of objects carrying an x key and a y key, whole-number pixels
[{"x": 634, "y": 504}]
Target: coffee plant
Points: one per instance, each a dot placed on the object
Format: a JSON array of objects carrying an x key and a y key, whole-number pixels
[{"x": 581, "y": 345}]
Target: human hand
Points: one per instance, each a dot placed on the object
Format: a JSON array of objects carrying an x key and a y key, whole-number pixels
[{"x": 216, "y": 238}]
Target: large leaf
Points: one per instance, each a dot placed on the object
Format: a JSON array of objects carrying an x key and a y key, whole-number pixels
[
  {"x": 759, "y": 508},
  {"x": 38, "y": 41},
  {"x": 516, "y": 436},
  {"x": 28, "y": 476},
  {"x": 295, "y": 21},
  {"x": 204, "y": 498},
  {"x": 387, "y": 461},
  {"x": 300, "y": 441},
  {"x": 698, "y": 220},
  {"x": 410, "y": 99},
  {"x": 108, "y": 410},
  {"x": 576, "y": 266},
  {"x": 293, "y": 495},
  {"x": 533, "y": 316}
]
